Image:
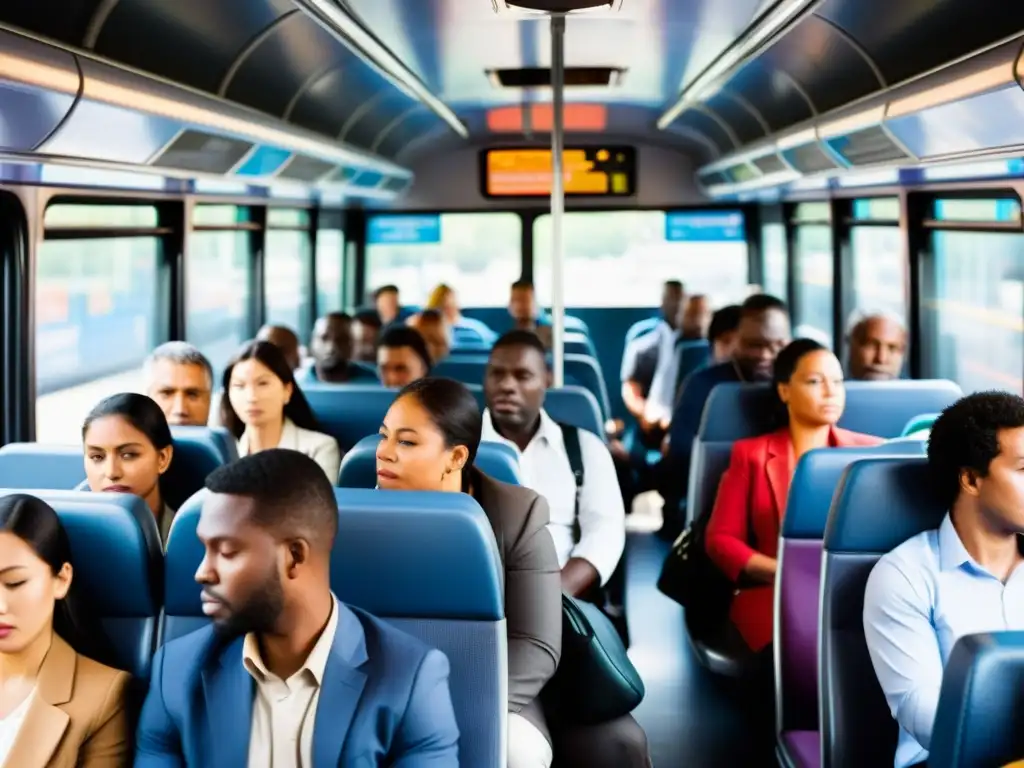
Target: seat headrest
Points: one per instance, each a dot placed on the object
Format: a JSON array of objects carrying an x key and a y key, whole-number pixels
[
  {"x": 198, "y": 451},
  {"x": 980, "y": 720},
  {"x": 816, "y": 477},
  {"x": 359, "y": 466},
  {"x": 880, "y": 503},
  {"x": 576, "y": 406},
  {"x": 881, "y": 408},
  {"x": 37, "y": 465},
  {"x": 349, "y": 412},
  {"x": 115, "y": 548},
  {"x": 407, "y": 554}
]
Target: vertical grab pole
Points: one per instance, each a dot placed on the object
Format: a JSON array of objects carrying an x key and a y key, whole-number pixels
[{"x": 557, "y": 196}]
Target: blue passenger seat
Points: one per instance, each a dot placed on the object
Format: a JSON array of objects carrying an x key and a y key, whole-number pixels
[
  {"x": 426, "y": 562},
  {"x": 349, "y": 412},
  {"x": 38, "y": 465},
  {"x": 980, "y": 720},
  {"x": 118, "y": 562},
  {"x": 359, "y": 466},
  {"x": 879, "y": 504},
  {"x": 198, "y": 451},
  {"x": 641, "y": 328},
  {"x": 570, "y": 405}
]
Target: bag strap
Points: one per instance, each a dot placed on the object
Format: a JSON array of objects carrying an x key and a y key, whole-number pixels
[{"x": 571, "y": 438}]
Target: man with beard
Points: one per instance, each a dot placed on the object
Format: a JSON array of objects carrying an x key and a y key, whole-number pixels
[
  {"x": 331, "y": 347},
  {"x": 287, "y": 675}
]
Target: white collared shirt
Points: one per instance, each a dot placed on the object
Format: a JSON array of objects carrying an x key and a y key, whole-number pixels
[
  {"x": 11, "y": 725},
  {"x": 284, "y": 711},
  {"x": 661, "y": 398},
  {"x": 545, "y": 469}
]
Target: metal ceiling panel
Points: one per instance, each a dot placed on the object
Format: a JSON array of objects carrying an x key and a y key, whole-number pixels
[
  {"x": 337, "y": 97},
  {"x": 63, "y": 20},
  {"x": 777, "y": 97},
  {"x": 189, "y": 41},
  {"x": 910, "y": 37},
  {"x": 282, "y": 62},
  {"x": 703, "y": 123},
  {"x": 363, "y": 130},
  {"x": 411, "y": 126},
  {"x": 740, "y": 117}
]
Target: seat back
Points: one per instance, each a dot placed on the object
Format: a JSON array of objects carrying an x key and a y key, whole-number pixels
[
  {"x": 879, "y": 504},
  {"x": 359, "y": 466},
  {"x": 798, "y": 580},
  {"x": 641, "y": 328},
  {"x": 692, "y": 355},
  {"x": 918, "y": 423},
  {"x": 349, "y": 412},
  {"x": 118, "y": 562},
  {"x": 38, "y": 465},
  {"x": 980, "y": 719},
  {"x": 198, "y": 451},
  {"x": 427, "y": 563},
  {"x": 576, "y": 406}
]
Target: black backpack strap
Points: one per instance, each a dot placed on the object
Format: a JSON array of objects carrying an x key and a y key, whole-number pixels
[{"x": 571, "y": 438}]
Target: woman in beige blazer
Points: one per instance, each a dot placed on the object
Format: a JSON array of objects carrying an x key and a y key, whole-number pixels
[
  {"x": 59, "y": 708},
  {"x": 265, "y": 408}
]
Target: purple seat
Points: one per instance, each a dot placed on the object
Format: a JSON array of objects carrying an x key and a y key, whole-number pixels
[{"x": 797, "y": 594}]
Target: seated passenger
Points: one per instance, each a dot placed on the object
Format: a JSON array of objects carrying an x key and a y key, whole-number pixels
[
  {"x": 526, "y": 313},
  {"x": 402, "y": 356},
  {"x": 694, "y": 318},
  {"x": 589, "y": 532},
  {"x": 743, "y": 533},
  {"x": 878, "y": 343},
  {"x": 62, "y": 706},
  {"x": 128, "y": 447},
  {"x": 265, "y": 409},
  {"x": 287, "y": 675},
  {"x": 432, "y": 326},
  {"x": 964, "y": 577},
  {"x": 180, "y": 379},
  {"x": 284, "y": 339},
  {"x": 331, "y": 348},
  {"x": 722, "y": 333},
  {"x": 389, "y": 309},
  {"x": 444, "y": 300},
  {"x": 365, "y": 330},
  {"x": 428, "y": 442}
]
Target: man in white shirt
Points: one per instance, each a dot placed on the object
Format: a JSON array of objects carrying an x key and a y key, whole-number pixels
[{"x": 590, "y": 544}]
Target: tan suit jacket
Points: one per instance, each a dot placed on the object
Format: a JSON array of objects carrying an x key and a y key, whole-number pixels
[
  {"x": 77, "y": 716},
  {"x": 533, "y": 588},
  {"x": 323, "y": 449}
]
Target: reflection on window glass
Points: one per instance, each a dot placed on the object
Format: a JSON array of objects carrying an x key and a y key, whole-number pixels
[
  {"x": 773, "y": 243},
  {"x": 622, "y": 259},
  {"x": 96, "y": 320},
  {"x": 477, "y": 254},
  {"x": 217, "y": 318},
  {"x": 330, "y": 256},
  {"x": 66, "y": 215},
  {"x": 219, "y": 215},
  {"x": 286, "y": 277},
  {"x": 973, "y": 310},
  {"x": 879, "y": 270},
  {"x": 813, "y": 310}
]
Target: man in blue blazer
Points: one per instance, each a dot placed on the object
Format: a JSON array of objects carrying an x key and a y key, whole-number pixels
[{"x": 287, "y": 676}]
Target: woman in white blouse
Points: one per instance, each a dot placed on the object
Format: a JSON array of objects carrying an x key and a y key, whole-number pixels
[
  {"x": 59, "y": 706},
  {"x": 265, "y": 408}
]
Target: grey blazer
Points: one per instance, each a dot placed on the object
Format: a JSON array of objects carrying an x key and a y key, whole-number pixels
[{"x": 533, "y": 588}]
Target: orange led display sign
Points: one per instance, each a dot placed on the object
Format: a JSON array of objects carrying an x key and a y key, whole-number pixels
[{"x": 595, "y": 171}]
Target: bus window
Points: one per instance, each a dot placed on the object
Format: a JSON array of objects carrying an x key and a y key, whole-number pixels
[
  {"x": 812, "y": 310},
  {"x": 879, "y": 267},
  {"x": 217, "y": 320},
  {"x": 776, "y": 260},
  {"x": 330, "y": 256},
  {"x": 973, "y": 310},
  {"x": 631, "y": 252},
  {"x": 286, "y": 270},
  {"x": 96, "y": 311},
  {"x": 477, "y": 254}
]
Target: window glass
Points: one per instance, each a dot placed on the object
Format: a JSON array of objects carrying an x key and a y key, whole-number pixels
[
  {"x": 813, "y": 310},
  {"x": 96, "y": 321},
  {"x": 66, "y": 215},
  {"x": 622, "y": 258},
  {"x": 973, "y": 310},
  {"x": 776, "y": 260},
  {"x": 877, "y": 209},
  {"x": 287, "y": 279},
  {"x": 1004, "y": 210},
  {"x": 287, "y": 217},
  {"x": 477, "y": 254},
  {"x": 219, "y": 215},
  {"x": 217, "y": 298},
  {"x": 330, "y": 257},
  {"x": 879, "y": 270},
  {"x": 818, "y": 212}
]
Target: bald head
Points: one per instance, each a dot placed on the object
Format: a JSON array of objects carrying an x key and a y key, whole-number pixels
[
  {"x": 283, "y": 338},
  {"x": 878, "y": 345}
]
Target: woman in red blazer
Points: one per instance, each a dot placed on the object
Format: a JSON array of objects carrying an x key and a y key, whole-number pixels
[{"x": 743, "y": 533}]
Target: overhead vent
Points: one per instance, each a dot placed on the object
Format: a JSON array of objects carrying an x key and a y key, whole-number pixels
[
  {"x": 394, "y": 184},
  {"x": 809, "y": 158},
  {"x": 870, "y": 146},
  {"x": 769, "y": 164},
  {"x": 367, "y": 180},
  {"x": 540, "y": 77},
  {"x": 343, "y": 175},
  {"x": 741, "y": 172},
  {"x": 712, "y": 178},
  {"x": 307, "y": 169},
  {"x": 202, "y": 152}
]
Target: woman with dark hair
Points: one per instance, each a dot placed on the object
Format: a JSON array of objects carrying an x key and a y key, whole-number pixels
[
  {"x": 128, "y": 447},
  {"x": 743, "y": 532},
  {"x": 428, "y": 442},
  {"x": 59, "y": 706},
  {"x": 264, "y": 408}
]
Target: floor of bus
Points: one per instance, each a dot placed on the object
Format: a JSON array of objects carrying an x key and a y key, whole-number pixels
[{"x": 691, "y": 717}]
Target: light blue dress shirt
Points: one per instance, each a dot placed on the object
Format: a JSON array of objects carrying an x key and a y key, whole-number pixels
[{"x": 920, "y": 599}]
